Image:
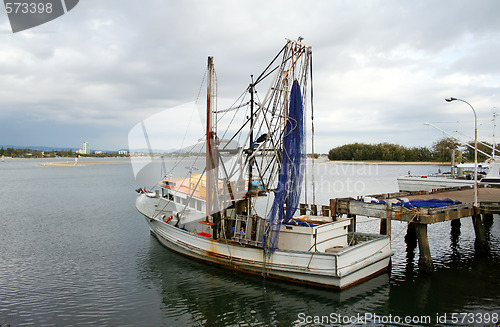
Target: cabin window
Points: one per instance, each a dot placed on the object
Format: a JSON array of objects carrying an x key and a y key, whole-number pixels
[
  {"x": 198, "y": 205},
  {"x": 167, "y": 194}
]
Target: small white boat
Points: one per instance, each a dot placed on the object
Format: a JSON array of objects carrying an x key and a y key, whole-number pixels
[
  {"x": 464, "y": 177},
  {"x": 492, "y": 178},
  {"x": 242, "y": 217}
]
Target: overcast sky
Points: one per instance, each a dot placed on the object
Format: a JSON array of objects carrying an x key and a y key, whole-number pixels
[{"x": 381, "y": 68}]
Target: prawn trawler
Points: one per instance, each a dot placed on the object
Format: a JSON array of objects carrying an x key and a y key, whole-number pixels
[{"x": 240, "y": 212}]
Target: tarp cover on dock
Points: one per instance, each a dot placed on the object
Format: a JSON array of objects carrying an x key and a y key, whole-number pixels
[
  {"x": 416, "y": 203},
  {"x": 431, "y": 203}
]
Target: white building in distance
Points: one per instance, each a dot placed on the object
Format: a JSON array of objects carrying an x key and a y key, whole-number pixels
[{"x": 86, "y": 148}]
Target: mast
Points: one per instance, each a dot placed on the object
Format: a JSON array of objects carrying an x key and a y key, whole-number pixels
[
  {"x": 494, "y": 127},
  {"x": 312, "y": 130},
  {"x": 250, "y": 150},
  {"x": 211, "y": 155}
]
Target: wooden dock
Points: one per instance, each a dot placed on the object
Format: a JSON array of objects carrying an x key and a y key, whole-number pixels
[{"x": 419, "y": 218}]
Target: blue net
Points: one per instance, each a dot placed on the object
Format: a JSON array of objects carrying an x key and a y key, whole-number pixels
[{"x": 286, "y": 197}]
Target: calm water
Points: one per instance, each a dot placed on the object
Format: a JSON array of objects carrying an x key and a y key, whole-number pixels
[{"x": 74, "y": 251}]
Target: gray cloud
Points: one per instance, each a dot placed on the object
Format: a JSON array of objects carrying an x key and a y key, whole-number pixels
[{"x": 382, "y": 68}]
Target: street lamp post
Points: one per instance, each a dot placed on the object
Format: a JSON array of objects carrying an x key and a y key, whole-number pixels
[{"x": 475, "y": 146}]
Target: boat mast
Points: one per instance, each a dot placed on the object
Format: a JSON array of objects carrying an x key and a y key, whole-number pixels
[
  {"x": 494, "y": 127},
  {"x": 250, "y": 150},
  {"x": 211, "y": 155}
]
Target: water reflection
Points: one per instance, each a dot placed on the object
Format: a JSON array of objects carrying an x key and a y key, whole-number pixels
[{"x": 195, "y": 293}]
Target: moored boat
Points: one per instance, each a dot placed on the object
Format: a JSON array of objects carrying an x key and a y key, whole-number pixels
[
  {"x": 241, "y": 213},
  {"x": 463, "y": 176}
]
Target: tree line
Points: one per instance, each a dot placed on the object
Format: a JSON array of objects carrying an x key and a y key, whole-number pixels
[
  {"x": 441, "y": 150},
  {"x": 29, "y": 153}
]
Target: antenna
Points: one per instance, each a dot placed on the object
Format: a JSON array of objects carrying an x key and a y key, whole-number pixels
[{"x": 495, "y": 114}]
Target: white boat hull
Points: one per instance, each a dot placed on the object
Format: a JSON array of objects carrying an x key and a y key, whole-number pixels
[
  {"x": 429, "y": 183},
  {"x": 342, "y": 269}
]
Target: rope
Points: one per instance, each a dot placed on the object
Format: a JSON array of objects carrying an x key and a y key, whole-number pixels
[
  {"x": 232, "y": 108},
  {"x": 312, "y": 132},
  {"x": 392, "y": 239}
]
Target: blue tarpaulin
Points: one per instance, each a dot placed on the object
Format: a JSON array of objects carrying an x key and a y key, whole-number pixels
[
  {"x": 431, "y": 203},
  {"x": 420, "y": 203}
]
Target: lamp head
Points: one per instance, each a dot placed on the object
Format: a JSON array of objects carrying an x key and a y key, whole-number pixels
[{"x": 450, "y": 99}]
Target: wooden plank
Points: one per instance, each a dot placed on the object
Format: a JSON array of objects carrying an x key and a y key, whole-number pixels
[
  {"x": 490, "y": 207},
  {"x": 424, "y": 216}
]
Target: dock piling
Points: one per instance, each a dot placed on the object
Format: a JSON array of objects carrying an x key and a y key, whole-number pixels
[
  {"x": 455, "y": 226},
  {"x": 411, "y": 237},
  {"x": 455, "y": 232},
  {"x": 325, "y": 211},
  {"x": 333, "y": 209},
  {"x": 481, "y": 244},
  {"x": 352, "y": 226},
  {"x": 425, "y": 260},
  {"x": 487, "y": 219},
  {"x": 314, "y": 209},
  {"x": 303, "y": 208},
  {"x": 385, "y": 223}
]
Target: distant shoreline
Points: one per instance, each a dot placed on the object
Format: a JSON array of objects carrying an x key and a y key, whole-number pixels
[{"x": 375, "y": 162}]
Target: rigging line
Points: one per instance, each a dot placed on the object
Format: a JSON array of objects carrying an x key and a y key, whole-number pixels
[
  {"x": 190, "y": 119},
  {"x": 266, "y": 110},
  {"x": 242, "y": 97},
  {"x": 259, "y": 109},
  {"x": 188, "y": 125},
  {"x": 397, "y": 235},
  {"x": 214, "y": 96},
  {"x": 158, "y": 210},
  {"x": 269, "y": 73},
  {"x": 201, "y": 85},
  {"x": 232, "y": 119},
  {"x": 194, "y": 108},
  {"x": 269, "y": 125},
  {"x": 192, "y": 193},
  {"x": 270, "y": 64},
  {"x": 231, "y": 194},
  {"x": 261, "y": 176},
  {"x": 299, "y": 54},
  {"x": 185, "y": 158},
  {"x": 269, "y": 163},
  {"x": 312, "y": 128},
  {"x": 232, "y": 108}
]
